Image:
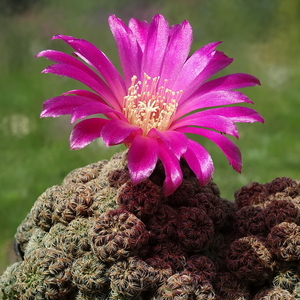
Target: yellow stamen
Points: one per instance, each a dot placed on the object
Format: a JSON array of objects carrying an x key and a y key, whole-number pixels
[{"x": 149, "y": 106}]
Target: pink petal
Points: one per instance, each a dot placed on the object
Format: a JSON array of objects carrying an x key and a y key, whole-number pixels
[
  {"x": 218, "y": 62},
  {"x": 199, "y": 161},
  {"x": 91, "y": 95},
  {"x": 77, "y": 106},
  {"x": 116, "y": 132},
  {"x": 155, "y": 46},
  {"x": 99, "y": 61},
  {"x": 172, "y": 169},
  {"x": 94, "y": 108},
  {"x": 215, "y": 122},
  {"x": 230, "y": 150},
  {"x": 177, "y": 51},
  {"x": 142, "y": 158},
  {"x": 64, "y": 105},
  {"x": 73, "y": 72},
  {"x": 85, "y": 93},
  {"x": 62, "y": 58},
  {"x": 85, "y": 132},
  {"x": 215, "y": 98},
  {"x": 140, "y": 31},
  {"x": 128, "y": 48},
  {"x": 229, "y": 82},
  {"x": 194, "y": 66},
  {"x": 233, "y": 113},
  {"x": 176, "y": 141}
]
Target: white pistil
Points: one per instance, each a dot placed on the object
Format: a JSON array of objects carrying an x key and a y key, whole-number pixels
[{"x": 149, "y": 106}]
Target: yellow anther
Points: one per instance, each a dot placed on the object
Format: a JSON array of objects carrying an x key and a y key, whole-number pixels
[{"x": 149, "y": 106}]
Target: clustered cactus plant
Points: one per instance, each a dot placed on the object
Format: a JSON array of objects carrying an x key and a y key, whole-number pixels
[{"x": 98, "y": 236}]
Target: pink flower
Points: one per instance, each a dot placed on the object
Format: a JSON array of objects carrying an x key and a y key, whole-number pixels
[{"x": 162, "y": 95}]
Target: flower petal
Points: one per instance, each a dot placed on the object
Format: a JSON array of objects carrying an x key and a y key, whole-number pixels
[
  {"x": 230, "y": 150},
  {"x": 85, "y": 93},
  {"x": 176, "y": 141},
  {"x": 62, "y": 58},
  {"x": 140, "y": 31},
  {"x": 155, "y": 46},
  {"x": 128, "y": 48},
  {"x": 93, "y": 108},
  {"x": 85, "y": 132},
  {"x": 214, "y": 98},
  {"x": 76, "y": 106},
  {"x": 63, "y": 105},
  {"x": 172, "y": 168},
  {"x": 215, "y": 122},
  {"x": 229, "y": 82},
  {"x": 99, "y": 61},
  {"x": 194, "y": 66},
  {"x": 199, "y": 161},
  {"x": 177, "y": 51},
  {"x": 218, "y": 62},
  {"x": 73, "y": 72},
  {"x": 94, "y": 96},
  {"x": 116, "y": 132},
  {"x": 142, "y": 158},
  {"x": 233, "y": 113}
]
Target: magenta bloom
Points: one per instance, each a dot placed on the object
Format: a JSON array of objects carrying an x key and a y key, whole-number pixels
[{"x": 149, "y": 108}]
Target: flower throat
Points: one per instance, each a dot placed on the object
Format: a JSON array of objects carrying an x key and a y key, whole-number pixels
[{"x": 149, "y": 106}]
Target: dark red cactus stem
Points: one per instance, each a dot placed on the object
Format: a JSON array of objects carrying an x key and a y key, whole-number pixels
[
  {"x": 284, "y": 241},
  {"x": 279, "y": 211},
  {"x": 250, "y": 220},
  {"x": 195, "y": 228},
  {"x": 117, "y": 234},
  {"x": 249, "y": 259},
  {"x": 282, "y": 183},
  {"x": 141, "y": 199},
  {"x": 163, "y": 224},
  {"x": 251, "y": 194}
]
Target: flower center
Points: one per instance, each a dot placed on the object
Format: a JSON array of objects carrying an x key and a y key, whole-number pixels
[{"x": 149, "y": 106}]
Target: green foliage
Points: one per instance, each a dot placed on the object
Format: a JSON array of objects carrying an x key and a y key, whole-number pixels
[{"x": 262, "y": 36}]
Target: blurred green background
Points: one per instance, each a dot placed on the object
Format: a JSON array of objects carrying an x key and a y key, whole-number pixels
[{"x": 263, "y": 37}]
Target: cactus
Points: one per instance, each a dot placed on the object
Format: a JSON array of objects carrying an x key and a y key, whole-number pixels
[{"x": 98, "y": 236}]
